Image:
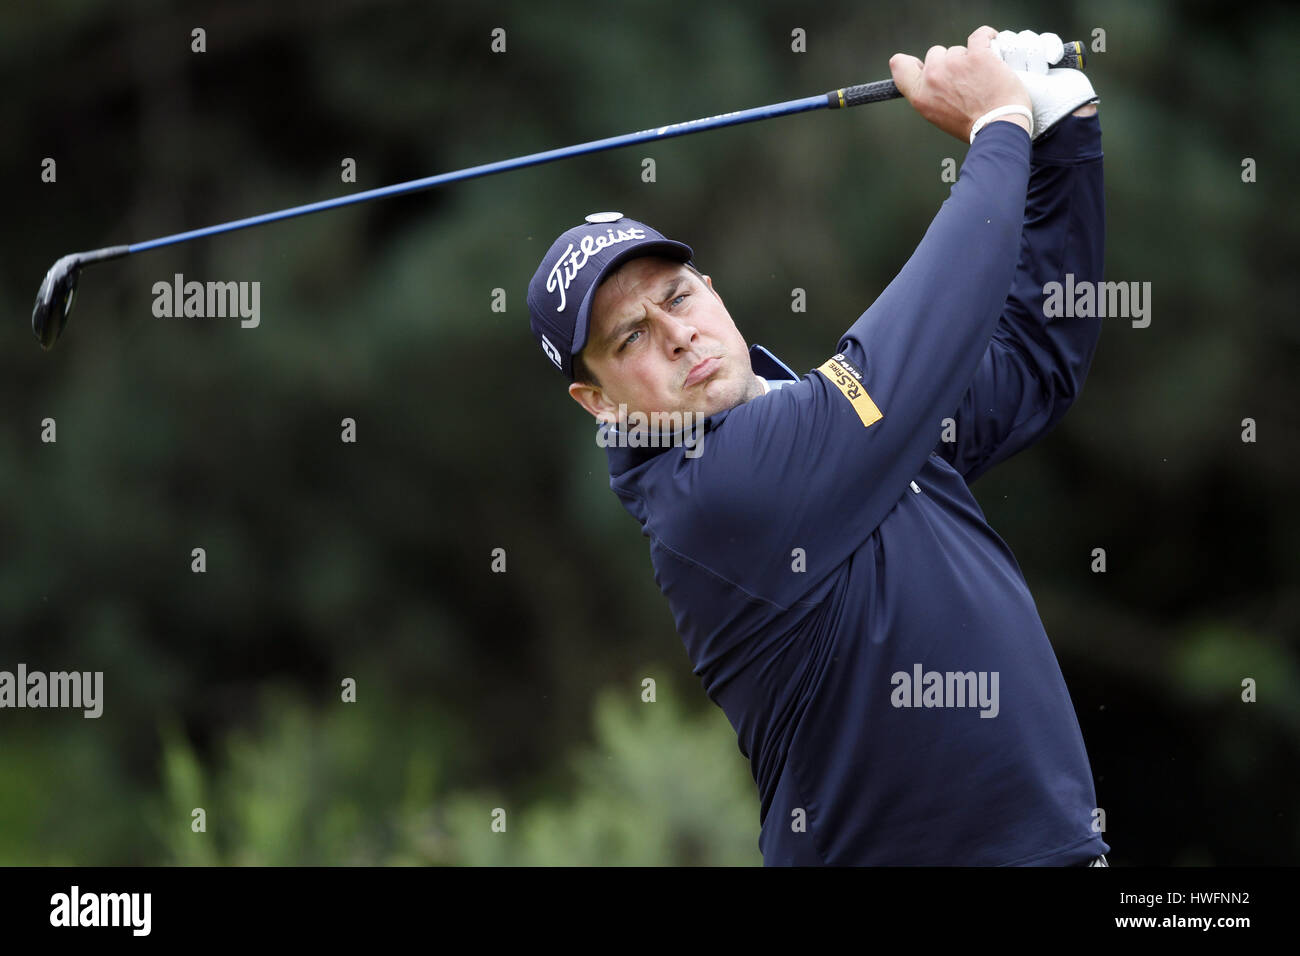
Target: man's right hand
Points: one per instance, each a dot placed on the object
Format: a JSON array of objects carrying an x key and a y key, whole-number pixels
[{"x": 957, "y": 85}]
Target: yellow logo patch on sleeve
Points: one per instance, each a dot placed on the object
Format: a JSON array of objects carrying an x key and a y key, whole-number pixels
[{"x": 848, "y": 380}]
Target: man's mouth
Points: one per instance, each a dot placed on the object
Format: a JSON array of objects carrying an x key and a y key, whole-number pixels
[{"x": 702, "y": 371}]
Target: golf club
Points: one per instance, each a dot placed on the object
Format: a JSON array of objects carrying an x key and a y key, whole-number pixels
[{"x": 58, "y": 289}]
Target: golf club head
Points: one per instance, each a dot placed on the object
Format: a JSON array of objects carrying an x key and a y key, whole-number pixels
[{"x": 54, "y": 300}]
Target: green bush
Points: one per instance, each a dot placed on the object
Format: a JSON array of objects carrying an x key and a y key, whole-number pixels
[{"x": 342, "y": 786}]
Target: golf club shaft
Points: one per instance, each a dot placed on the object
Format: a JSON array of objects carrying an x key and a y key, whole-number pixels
[
  {"x": 533, "y": 159},
  {"x": 836, "y": 99},
  {"x": 55, "y": 296}
]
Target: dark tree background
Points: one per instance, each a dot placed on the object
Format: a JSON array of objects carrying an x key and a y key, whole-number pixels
[{"x": 372, "y": 560}]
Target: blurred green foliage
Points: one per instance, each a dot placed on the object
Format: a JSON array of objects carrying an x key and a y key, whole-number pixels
[
  {"x": 340, "y": 786},
  {"x": 372, "y": 561}
]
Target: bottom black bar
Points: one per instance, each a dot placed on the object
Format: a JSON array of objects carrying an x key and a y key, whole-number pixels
[{"x": 334, "y": 905}]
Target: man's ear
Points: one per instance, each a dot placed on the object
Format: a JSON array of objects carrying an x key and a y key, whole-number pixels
[
  {"x": 592, "y": 398},
  {"x": 708, "y": 281}
]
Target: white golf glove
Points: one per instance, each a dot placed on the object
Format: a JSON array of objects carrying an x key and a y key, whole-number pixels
[{"x": 1054, "y": 93}]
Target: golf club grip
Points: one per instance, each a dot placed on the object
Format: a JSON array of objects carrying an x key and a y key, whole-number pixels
[
  {"x": 882, "y": 90},
  {"x": 876, "y": 92}
]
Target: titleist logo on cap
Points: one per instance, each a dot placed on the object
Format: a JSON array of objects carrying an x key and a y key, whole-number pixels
[{"x": 571, "y": 263}]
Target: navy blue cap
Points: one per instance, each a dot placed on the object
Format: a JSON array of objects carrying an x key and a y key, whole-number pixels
[{"x": 560, "y": 294}]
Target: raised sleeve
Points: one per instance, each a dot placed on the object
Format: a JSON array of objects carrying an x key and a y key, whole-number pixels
[{"x": 1035, "y": 365}]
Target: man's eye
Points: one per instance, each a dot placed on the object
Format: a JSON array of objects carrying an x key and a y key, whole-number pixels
[
  {"x": 627, "y": 341},
  {"x": 679, "y": 298}
]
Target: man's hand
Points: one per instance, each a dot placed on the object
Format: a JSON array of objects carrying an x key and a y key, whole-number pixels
[
  {"x": 1054, "y": 92},
  {"x": 959, "y": 84}
]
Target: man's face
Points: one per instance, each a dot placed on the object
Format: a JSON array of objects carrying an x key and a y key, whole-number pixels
[{"x": 660, "y": 340}]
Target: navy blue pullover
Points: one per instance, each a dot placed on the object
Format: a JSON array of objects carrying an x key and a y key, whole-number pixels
[{"x": 838, "y": 590}]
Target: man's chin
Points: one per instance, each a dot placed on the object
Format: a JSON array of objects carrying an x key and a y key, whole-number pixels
[
  {"x": 715, "y": 394},
  {"x": 718, "y": 395}
]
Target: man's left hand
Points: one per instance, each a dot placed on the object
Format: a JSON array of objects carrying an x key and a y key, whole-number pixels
[{"x": 1054, "y": 93}]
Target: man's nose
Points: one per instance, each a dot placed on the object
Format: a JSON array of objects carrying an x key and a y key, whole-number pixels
[{"x": 679, "y": 334}]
